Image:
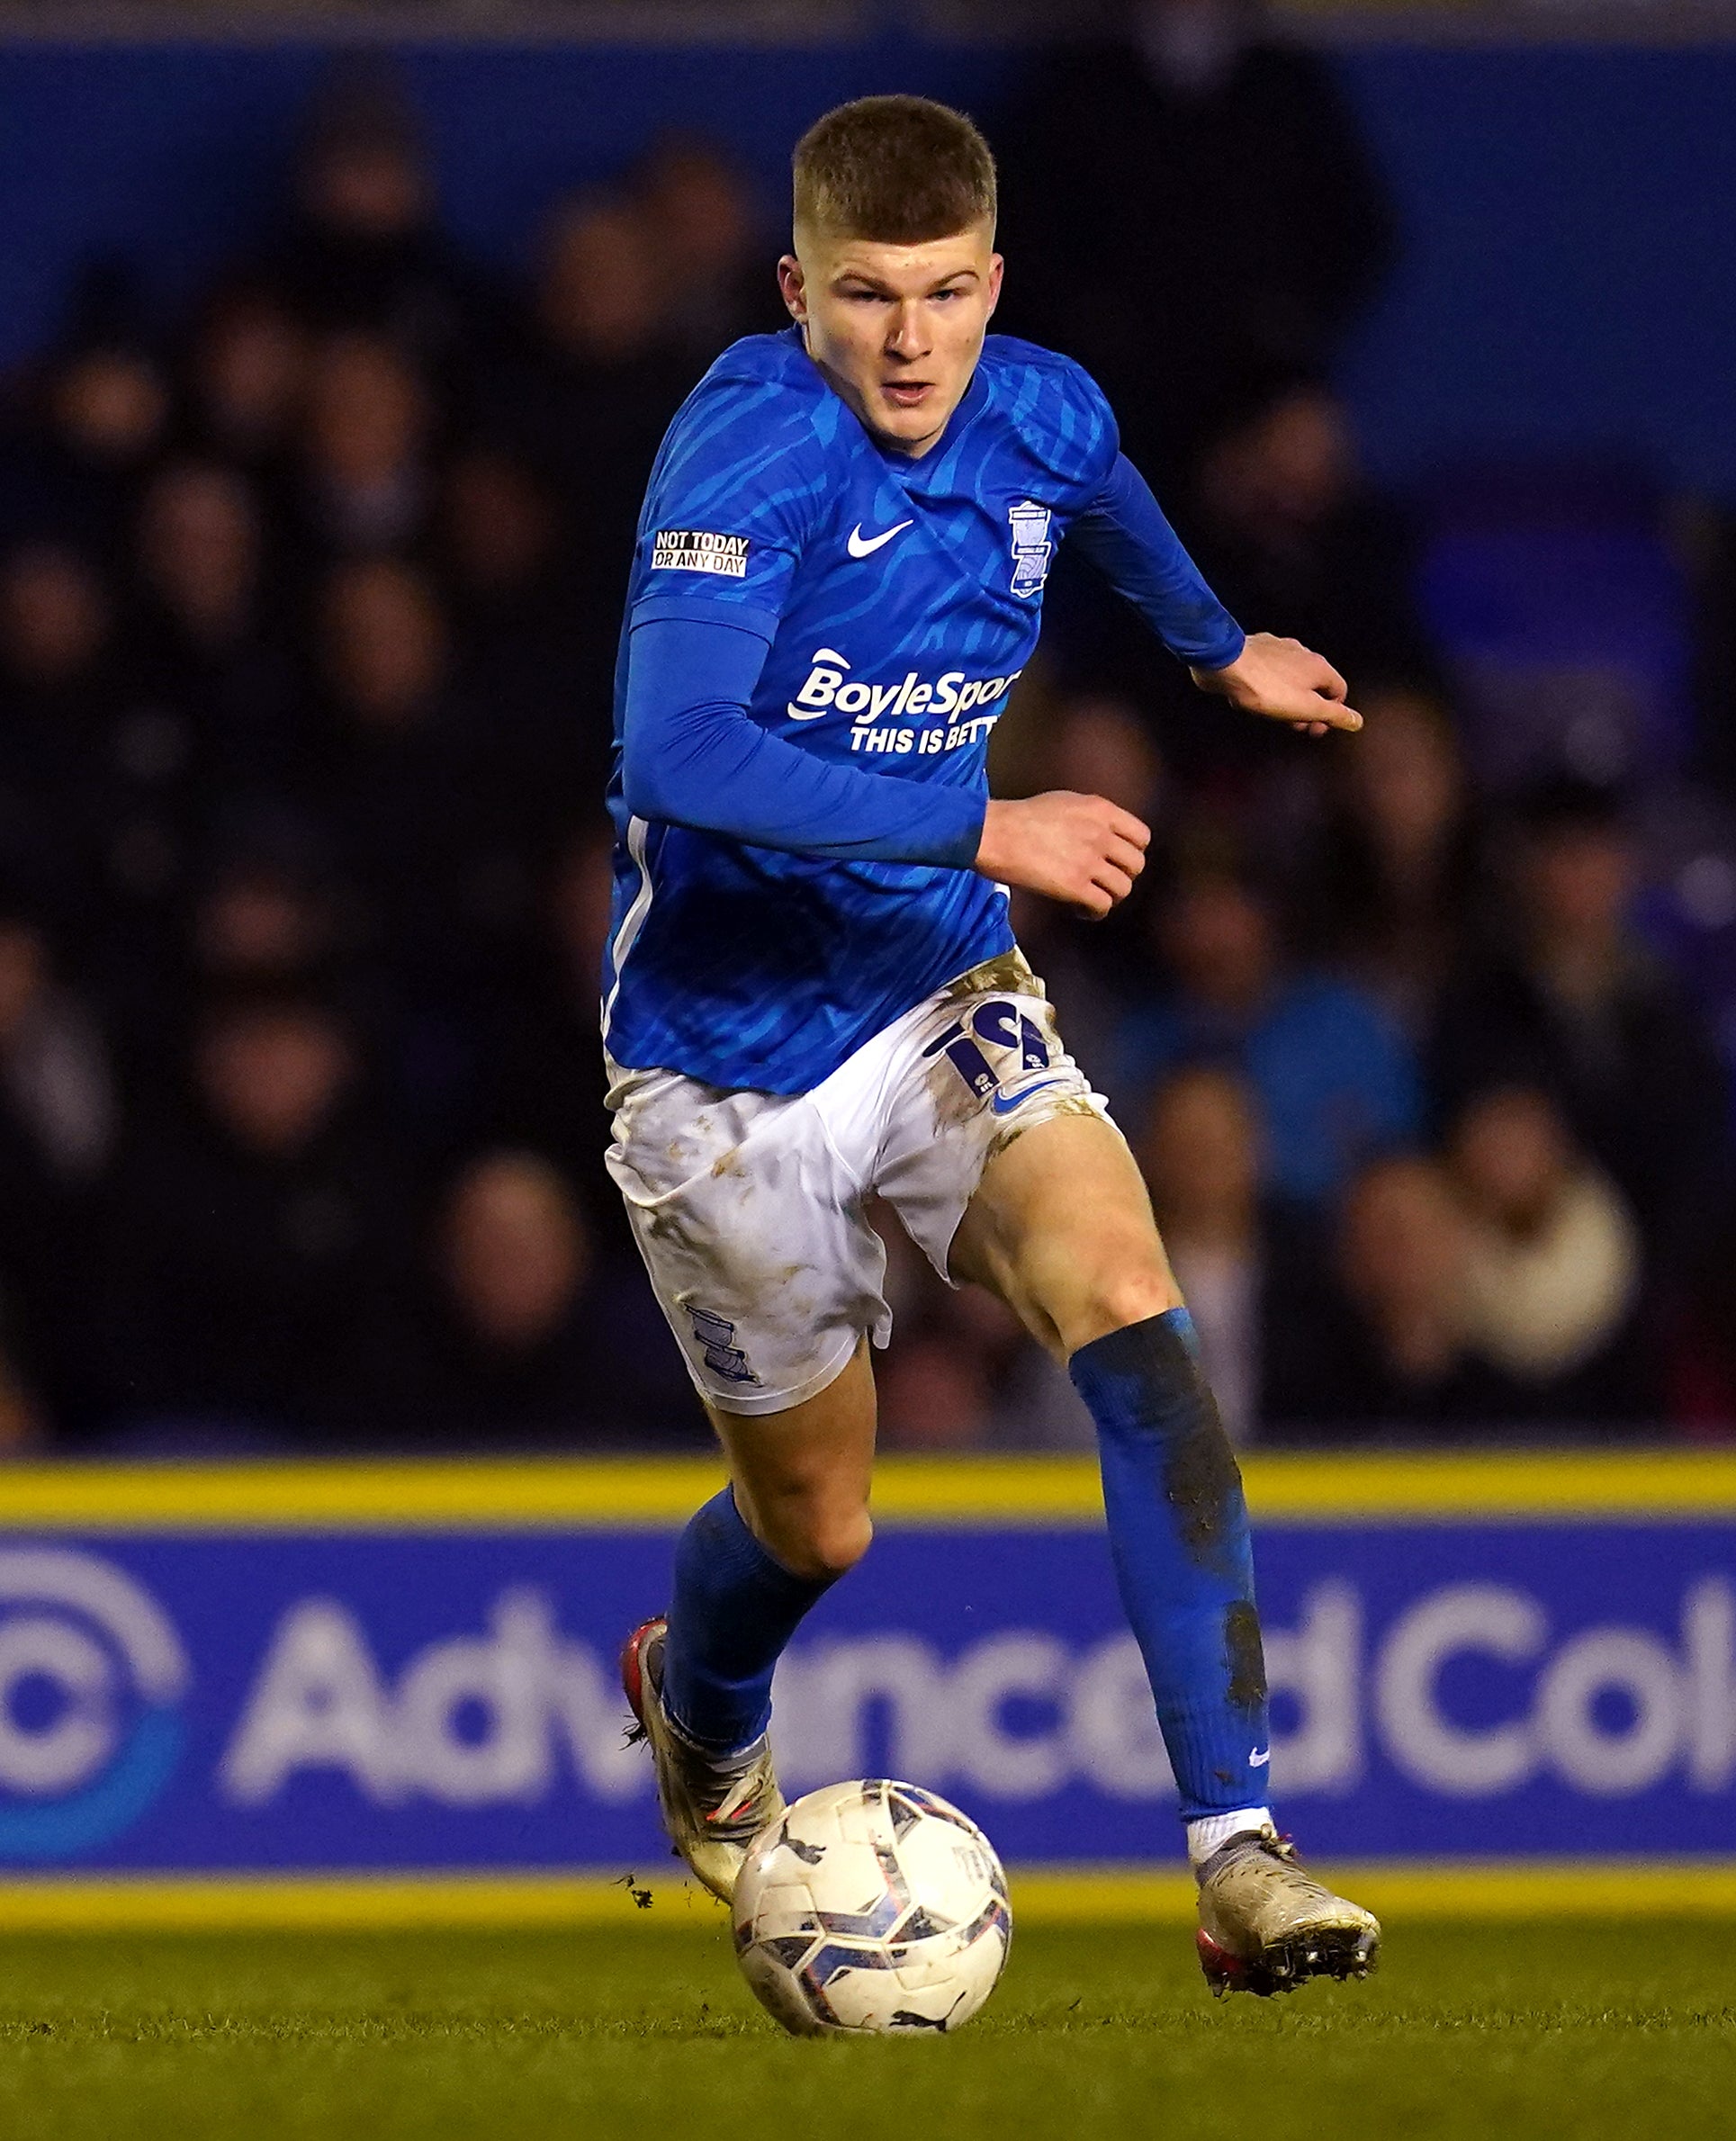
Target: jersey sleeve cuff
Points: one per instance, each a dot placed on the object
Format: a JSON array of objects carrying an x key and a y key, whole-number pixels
[
  {"x": 1221, "y": 652},
  {"x": 960, "y": 833}
]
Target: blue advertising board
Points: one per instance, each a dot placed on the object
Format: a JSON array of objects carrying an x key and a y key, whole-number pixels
[{"x": 277, "y": 1673}]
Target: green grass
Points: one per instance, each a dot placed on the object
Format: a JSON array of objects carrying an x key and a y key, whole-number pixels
[{"x": 1536, "y": 2030}]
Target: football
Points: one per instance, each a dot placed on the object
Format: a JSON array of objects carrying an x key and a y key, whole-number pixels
[{"x": 872, "y": 1908}]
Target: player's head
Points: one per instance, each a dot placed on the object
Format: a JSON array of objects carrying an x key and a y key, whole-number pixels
[{"x": 894, "y": 272}]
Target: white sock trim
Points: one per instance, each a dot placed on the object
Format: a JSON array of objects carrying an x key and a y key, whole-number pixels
[{"x": 1212, "y": 1833}]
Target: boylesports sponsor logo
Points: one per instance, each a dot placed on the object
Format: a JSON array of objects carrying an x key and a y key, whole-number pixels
[
  {"x": 696, "y": 550},
  {"x": 876, "y": 708}
]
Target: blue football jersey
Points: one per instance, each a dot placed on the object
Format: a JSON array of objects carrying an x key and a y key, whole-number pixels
[{"x": 902, "y": 599}]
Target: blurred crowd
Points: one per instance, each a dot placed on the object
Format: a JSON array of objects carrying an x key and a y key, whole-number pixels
[{"x": 308, "y": 604}]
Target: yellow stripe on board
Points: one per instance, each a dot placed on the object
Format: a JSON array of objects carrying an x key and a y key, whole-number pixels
[
  {"x": 1106, "y": 1895},
  {"x": 517, "y": 1496},
  {"x": 1669, "y": 1484},
  {"x": 1695, "y": 1888},
  {"x": 340, "y": 1902}
]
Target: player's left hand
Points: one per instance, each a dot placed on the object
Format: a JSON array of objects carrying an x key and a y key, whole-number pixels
[{"x": 1283, "y": 681}]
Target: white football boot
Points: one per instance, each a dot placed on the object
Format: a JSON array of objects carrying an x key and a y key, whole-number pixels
[
  {"x": 1266, "y": 1926},
  {"x": 713, "y": 1809}
]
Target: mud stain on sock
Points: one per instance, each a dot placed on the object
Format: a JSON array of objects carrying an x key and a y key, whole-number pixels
[
  {"x": 1245, "y": 1654},
  {"x": 1203, "y": 1483}
]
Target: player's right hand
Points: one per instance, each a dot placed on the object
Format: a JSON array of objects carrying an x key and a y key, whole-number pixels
[{"x": 1081, "y": 849}]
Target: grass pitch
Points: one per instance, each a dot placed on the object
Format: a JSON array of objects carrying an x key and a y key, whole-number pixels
[{"x": 1544, "y": 2030}]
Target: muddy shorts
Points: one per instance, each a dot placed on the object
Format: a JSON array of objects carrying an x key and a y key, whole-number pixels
[{"x": 750, "y": 1208}]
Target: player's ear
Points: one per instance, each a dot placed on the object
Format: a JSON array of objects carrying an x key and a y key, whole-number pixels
[
  {"x": 996, "y": 268},
  {"x": 792, "y": 283}
]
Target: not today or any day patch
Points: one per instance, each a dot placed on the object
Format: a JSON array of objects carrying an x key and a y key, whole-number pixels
[{"x": 696, "y": 550}]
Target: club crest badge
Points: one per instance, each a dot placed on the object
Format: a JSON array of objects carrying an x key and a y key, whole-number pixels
[{"x": 1031, "y": 549}]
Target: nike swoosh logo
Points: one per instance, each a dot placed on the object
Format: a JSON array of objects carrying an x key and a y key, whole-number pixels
[
  {"x": 864, "y": 547},
  {"x": 1257, "y": 1760},
  {"x": 1003, "y": 1103}
]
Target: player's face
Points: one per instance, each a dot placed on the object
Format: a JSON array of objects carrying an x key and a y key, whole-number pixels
[{"x": 896, "y": 330}]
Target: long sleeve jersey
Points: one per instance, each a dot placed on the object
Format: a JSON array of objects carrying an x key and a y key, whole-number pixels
[{"x": 821, "y": 634}]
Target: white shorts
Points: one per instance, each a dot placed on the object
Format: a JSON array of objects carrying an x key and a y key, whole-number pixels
[{"x": 750, "y": 1208}]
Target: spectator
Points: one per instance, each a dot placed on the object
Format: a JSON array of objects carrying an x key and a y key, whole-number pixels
[
  {"x": 1332, "y": 1074},
  {"x": 410, "y": 797},
  {"x": 256, "y": 1242},
  {"x": 99, "y": 412},
  {"x": 58, "y": 1123},
  {"x": 366, "y": 482},
  {"x": 1241, "y": 1262},
  {"x": 1384, "y": 1352},
  {"x": 57, "y": 630},
  {"x": 1700, "y": 1343},
  {"x": 718, "y": 280},
  {"x": 262, "y": 920},
  {"x": 539, "y": 1077},
  {"x": 1287, "y": 530},
  {"x": 1396, "y": 875},
  {"x": 1194, "y": 187},
  {"x": 89, "y": 790},
  {"x": 245, "y": 373},
  {"x": 109, "y": 402},
  {"x": 934, "y": 1394},
  {"x": 513, "y": 1352},
  {"x": 200, "y": 544},
  {"x": 1569, "y": 1002},
  {"x": 219, "y": 688},
  {"x": 383, "y": 645},
  {"x": 363, "y": 251},
  {"x": 602, "y": 340},
  {"x": 959, "y": 1372},
  {"x": 527, "y": 649},
  {"x": 1552, "y": 1273},
  {"x": 58, "y": 1103},
  {"x": 1094, "y": 747},
  {"x": 499, "y": 533},
  {"x": 600, "y": 298},
  {"x": 25, "y": 1425}
]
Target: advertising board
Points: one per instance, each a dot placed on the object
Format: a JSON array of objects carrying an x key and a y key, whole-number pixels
[{"x": 355, "y": 1671}]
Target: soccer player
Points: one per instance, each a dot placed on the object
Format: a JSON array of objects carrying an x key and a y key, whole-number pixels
[{"x": 812, "y": 994}]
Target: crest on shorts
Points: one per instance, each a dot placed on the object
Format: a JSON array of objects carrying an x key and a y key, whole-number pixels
[
  {"x": 1032, "y": 552},
  {"x": 716, "y": 1339}
]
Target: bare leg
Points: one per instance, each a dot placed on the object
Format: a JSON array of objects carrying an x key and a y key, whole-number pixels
[
  {"x": 1061, "y": 1230},
  {"x": 802, "y": 1476}
]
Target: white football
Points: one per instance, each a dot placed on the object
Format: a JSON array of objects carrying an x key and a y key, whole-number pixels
[{"x": 873, "y": 1907}]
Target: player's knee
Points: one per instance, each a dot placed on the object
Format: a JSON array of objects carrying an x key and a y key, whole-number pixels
[
  {"x": 830, "y": 1544},
  {"x": 1118, "y": 1299}
]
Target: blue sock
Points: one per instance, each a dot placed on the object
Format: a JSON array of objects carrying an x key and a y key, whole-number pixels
[
  {"x": 1178, "y": 1532},
  {"x": 733, "y": 1611}
]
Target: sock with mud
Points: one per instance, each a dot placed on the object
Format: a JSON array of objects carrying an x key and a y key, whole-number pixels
[{"x": 1178, "y": 1534}]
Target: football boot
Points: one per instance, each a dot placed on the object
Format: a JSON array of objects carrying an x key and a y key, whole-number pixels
[
  {"x": 712, "y": 1808},
  {"x": 1265, "y": 1925}
]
